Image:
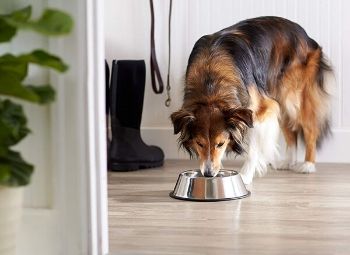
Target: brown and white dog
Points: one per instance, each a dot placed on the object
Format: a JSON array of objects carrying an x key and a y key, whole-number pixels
[{"x": 246, "y": 82}]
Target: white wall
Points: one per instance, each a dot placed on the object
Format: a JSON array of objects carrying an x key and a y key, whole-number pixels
[{"x": 127, "y": 26}]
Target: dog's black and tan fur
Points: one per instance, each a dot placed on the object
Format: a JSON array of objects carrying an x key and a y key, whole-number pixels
[{"x": 243, "y": 80}]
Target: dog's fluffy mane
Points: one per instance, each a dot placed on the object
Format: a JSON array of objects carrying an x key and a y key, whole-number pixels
[{"x": 250, "y": 53}]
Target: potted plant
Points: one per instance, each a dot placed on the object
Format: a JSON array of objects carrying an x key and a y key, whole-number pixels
[{"x": 15, "y": 172}]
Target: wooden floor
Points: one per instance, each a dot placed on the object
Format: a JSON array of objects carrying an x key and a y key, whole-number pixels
[{"x": 287, "y": 213}]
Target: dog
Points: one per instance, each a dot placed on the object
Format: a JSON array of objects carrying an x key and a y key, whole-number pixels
[{"x": 245, "y": 83}]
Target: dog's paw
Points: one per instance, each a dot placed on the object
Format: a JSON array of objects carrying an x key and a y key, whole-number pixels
[
  {"x": 306, "y": 168},
  {"x": 290, "y": 161},
  {"x": 247, "y": 179},
  {"x": 286, "y": 165}
]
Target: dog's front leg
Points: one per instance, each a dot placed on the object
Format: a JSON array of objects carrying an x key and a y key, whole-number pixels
[
  {"x": 248, "y": 169},
  {"x": 254, "y": 161},
  {"x": 262, "y": 148}
]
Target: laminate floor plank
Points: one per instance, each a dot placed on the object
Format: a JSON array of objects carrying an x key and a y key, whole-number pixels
[{"x": 287, "y": 213}]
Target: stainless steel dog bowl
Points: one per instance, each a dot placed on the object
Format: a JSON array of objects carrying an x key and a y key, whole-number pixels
[{"x": 226, "y": 185}]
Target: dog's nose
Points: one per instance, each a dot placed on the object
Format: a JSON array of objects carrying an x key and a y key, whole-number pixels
[
  {"x": 208, "y": 174},
  {"x": 208, "y": 170}
]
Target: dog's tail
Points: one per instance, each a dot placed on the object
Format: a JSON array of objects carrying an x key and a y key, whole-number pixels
[
  {"x": 320, "y": 71},
  {"x": 324, "y": 70}
]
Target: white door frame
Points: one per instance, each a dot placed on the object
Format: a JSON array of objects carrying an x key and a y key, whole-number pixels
[
  {"x": 96, "y": 123},
  {"x": 79, "y": 133}
]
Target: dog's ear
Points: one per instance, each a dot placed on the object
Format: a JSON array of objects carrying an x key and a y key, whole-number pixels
[
  {"x": 181, "y": 120},
  {"x": 238, "y": 120},
  {"x": 236, "y": 116}
]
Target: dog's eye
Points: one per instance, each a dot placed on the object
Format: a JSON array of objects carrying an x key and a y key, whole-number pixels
[
  {"x": 200, "y": 145},
  {"x": 220, "y": 144}
]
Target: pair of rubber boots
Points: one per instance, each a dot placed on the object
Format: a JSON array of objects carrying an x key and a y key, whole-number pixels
[{"x": 126, "y": 150}]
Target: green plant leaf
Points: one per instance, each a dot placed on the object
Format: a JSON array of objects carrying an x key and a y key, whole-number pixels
[
  {"x": 21, "y": 15},
  {"x": 14, "y": 170},
  {"x": 10, "y": 85},
  {"x": 52, "y": 22},
  {"x": 6, "y": 31},
  {"x": 20, "y": 171},
  {"x": 13, "y": 124},
  {"x": 13, "y": 65},
  {"x": 43, "y": 58},
  {"x": 45, "y": 93},
  {"x": 18, "y": 65},
  {"x": 3, "y": 150},
  {"x": 5, "y": 171}
]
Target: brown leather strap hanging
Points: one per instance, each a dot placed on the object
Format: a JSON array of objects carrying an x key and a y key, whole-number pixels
[
  {"x": 168, "y": 100},
  {"x": 155, "y": 72}
]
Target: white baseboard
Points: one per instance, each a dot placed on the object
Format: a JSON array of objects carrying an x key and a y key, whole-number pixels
[
  {"x": 38, "y": 234},
  {"x": 335, "y": 149}
]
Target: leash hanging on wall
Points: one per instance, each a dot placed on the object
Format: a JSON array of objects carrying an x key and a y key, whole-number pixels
[{"x": 156, "y": 76}]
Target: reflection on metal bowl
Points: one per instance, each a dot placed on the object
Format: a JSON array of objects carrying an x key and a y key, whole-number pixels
[{"x": 226, "y": 185}]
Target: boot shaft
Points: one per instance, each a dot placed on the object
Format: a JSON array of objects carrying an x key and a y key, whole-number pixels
[{"x": 127, "y": 92}]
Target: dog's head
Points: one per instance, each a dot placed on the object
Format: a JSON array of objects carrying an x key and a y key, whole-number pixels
[
  {"x": 214, "y": 117},
  {"x": 208, "y": 132}
]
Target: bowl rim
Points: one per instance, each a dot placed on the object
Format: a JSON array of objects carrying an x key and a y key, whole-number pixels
[
  {"x": 171, "y": 194},
  {"x": 183, "y": 174}
]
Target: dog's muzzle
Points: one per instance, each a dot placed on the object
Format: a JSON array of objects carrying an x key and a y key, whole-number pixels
[{"x": 208, "y": 169}]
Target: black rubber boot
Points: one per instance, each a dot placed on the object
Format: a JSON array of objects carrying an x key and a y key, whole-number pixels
[
  {"x": 107, "y": 87},
  {"x": 107, "y": 105},
  {"x": 127, "y": 150}
]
